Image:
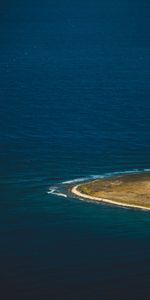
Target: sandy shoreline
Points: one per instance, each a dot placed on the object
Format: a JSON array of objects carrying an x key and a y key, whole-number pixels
[{"x": 76, "y": 192}]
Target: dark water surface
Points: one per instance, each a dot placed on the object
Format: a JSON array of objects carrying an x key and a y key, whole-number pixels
[{"x": 75, "y": 101}]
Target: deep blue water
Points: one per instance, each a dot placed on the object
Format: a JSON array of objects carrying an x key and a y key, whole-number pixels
[{"x": 75, "y": 101}]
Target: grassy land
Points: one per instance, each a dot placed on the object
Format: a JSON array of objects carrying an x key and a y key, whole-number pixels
[{"x": 128, "y": 189}]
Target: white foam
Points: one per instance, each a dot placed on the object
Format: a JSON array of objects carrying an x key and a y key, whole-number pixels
[
  {"x": 134, "y": 171},
  {"x": 75, "y": 180},
  {"x": 109, "y": 174},
  {"x": 96, "y": 176},
  {"x": 54, "y": 191},
  {"x": 50, "y": 192},
  {"x": 81, "y": 179},
  {"x": 60, "y": 194}
]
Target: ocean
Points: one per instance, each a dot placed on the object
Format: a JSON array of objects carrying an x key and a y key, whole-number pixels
[{"x": 74, "y": 90}]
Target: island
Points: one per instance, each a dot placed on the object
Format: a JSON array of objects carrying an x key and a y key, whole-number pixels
[{"x": 130, "y": 190}]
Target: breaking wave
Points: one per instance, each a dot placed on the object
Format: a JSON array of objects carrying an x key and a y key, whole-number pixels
[
  {"x": 54, "y": 191},
  {"x": 62, "y": 188}
]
